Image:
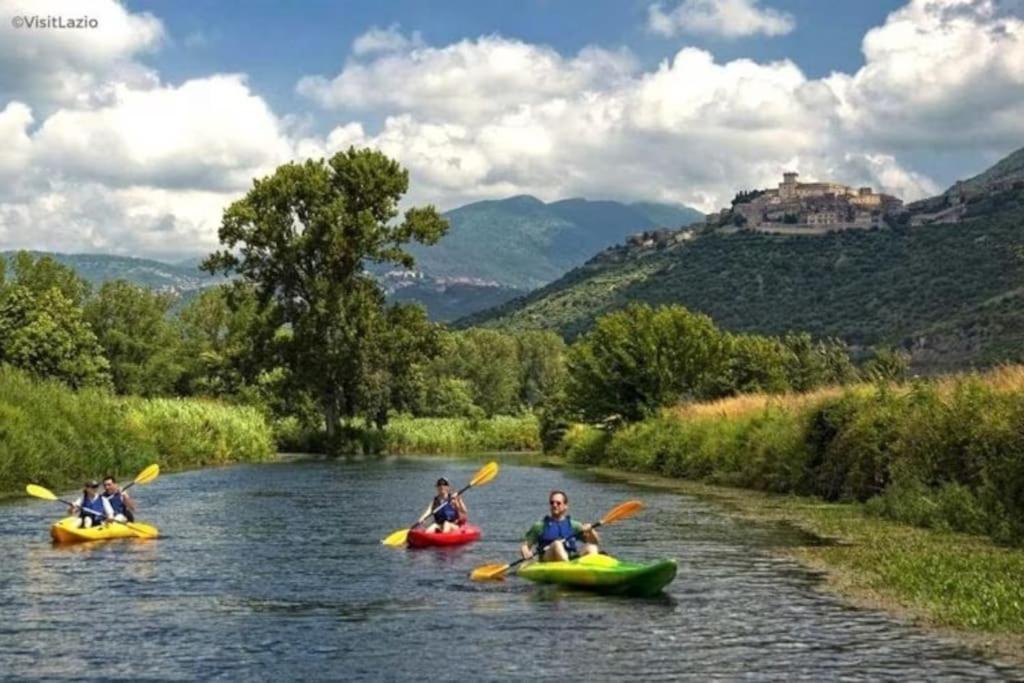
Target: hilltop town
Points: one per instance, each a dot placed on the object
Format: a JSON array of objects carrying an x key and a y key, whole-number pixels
[{"x": 806, "y": 208}]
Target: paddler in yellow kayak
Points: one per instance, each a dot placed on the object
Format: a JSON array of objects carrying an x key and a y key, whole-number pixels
[
  {"x": 558, "y": 533},
  {"x": 449, "y": 510},
  {"x": 91, "y": 508}
]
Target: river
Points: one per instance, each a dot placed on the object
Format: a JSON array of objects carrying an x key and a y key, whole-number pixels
[{"x": 276, "y": 571}]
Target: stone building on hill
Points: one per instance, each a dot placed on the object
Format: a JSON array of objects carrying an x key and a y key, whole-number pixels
[{"x": 814, "y": 208}]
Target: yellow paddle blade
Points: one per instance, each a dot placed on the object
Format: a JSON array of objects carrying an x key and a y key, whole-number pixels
[
  {"x": 147, "y": 475},
  {"x": 37, "y": 491},
  {"x": 489, "y": 572},
  {"x": 396, "y": 538},
  {"x": 486, "y": 474},
  {"x": 622, "y": 510}
]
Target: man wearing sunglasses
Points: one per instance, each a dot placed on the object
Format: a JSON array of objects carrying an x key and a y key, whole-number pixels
[{"x": 557, "y": 534}]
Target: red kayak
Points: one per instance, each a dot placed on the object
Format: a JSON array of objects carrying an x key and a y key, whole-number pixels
[{"x": 418, "y": 538}]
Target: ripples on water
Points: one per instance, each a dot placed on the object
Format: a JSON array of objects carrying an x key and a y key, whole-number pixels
[{"x": 276, "y": 571}]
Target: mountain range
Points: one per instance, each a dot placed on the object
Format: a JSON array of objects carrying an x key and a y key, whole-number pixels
[
  {"x": 494, "y": 252},
  {"x": 522, "y": 243}
]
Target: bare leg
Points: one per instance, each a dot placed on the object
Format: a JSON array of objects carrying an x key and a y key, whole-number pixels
[
  {"x": 589, "y": 549},
  {"x": 449, "y": 527},
  {"x": 431, "y": 528},
  {"x": 556, "y": 553}
]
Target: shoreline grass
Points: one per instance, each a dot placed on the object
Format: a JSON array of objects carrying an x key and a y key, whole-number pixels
[{"x": 56, "y": 437}]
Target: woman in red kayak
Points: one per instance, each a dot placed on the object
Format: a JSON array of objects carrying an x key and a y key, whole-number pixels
[{"x": 449, "y": 510}]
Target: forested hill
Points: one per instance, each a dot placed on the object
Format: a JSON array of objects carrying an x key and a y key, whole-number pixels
[
  {"x": 951, "y": 293},
  {"x": 522, "y": 242},
  {"x": 99, "y": 268}
]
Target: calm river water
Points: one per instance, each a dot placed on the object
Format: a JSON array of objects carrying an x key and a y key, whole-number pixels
[{"x": 276, "y": 572}]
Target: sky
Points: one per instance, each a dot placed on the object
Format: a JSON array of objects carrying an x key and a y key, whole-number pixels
[{"x": 130, "y": 132}]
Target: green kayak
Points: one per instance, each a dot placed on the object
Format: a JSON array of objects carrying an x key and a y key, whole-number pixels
[{"x": 604, "y": 574}]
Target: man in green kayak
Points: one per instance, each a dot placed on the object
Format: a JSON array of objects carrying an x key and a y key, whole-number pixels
[{"x": 556, "y": 534}]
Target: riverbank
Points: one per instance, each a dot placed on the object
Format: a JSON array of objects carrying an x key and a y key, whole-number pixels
[
  {"x": 962, "y": 587},
  {"x": 407, "y": 435},
  {"x": 57, "y": 437}
]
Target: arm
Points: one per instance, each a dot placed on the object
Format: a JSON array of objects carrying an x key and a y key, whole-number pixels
[
  {"x": 530, "y": 540},
  {"x": 129, "y": 502},
  {"x": 460, "y": 507},
  {"x": 587, "y": 533},
  {"x": 75, "y": 507},
  {"x": 107, "y": 510}
]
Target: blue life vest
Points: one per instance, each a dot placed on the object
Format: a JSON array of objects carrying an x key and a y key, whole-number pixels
[
  {"x": 96, "y": 504},
  {"x": 117, "y": 504},
  {"x": 554, "y": 529},
  {"x": 446, "y": 514}
]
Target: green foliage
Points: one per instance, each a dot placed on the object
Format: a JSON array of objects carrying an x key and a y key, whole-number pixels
[
  {"x": 812, "y": 364},
  {"x": 950, "y": 459},
  {"x": 887, "y": 365},
  {"x": 637, "y": 360},
  {"x": 301, "y": 237},
  {"x": 45, "y": 334},
  {"x": 58, "y": 437},
  {"x": 39, "y": 275},
  {"x": 448, "y": 397},
  {"x": 137, "y": 338},
  {"x": 454, "y": 435}
]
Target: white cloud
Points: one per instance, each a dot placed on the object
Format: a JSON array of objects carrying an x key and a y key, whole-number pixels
[
  {"x": 946, "y": 73},
  {"x": 385, "y": 40},
  {"x": 470, "y": 78},
  {"x": 70, "y": 66},
  {"x": 210, "y": 133},
  {"x": 724, "y": 18}
]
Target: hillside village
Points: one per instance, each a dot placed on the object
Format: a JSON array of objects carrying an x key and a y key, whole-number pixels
[{"x": 807, "y": 208}]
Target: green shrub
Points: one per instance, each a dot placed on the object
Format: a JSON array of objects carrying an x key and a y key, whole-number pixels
[{"x": 54, "y": 436}]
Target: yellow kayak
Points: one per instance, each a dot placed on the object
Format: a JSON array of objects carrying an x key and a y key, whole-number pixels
[{"x": 68, "y": 531}]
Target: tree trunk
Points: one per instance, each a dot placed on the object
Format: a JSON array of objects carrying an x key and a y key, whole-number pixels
[{"x": 330, "y": 408}]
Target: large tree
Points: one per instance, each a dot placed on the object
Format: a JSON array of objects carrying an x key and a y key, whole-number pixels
[
  {"x": 303, "y": 237},
  {"x": 140, "y": 342}
]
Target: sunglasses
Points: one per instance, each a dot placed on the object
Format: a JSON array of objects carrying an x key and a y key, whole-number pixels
[{"x": 555, "y": 502}]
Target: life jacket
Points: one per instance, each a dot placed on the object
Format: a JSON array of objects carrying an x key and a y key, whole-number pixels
[
  {"x": 557, "y": 529},
  {"x": 448, "y": 513},
  {"x": 96, "y": 505},
  {"x": 117, "y": 504}
]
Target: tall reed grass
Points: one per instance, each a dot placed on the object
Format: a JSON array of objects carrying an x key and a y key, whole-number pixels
[
  {"x": 57, "y": 437},
  {"x": 946, "y": 453}
]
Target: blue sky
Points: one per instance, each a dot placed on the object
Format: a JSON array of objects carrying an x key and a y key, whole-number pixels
[{"x": 133, "y": 137}]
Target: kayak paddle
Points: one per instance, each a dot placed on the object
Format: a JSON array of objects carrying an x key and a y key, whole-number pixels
[
  {"x": 489, "y": 572},
  {"x": 144, "y": 477},
  {"x": 486, "y": 475}
]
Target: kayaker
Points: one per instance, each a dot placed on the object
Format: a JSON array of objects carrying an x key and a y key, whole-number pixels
[
  {"x": 452, "y": 513},
  {"x": 122, "y": 504},
  {"x": 91, "y": 508},
  {"x": 558, "y": 534}
]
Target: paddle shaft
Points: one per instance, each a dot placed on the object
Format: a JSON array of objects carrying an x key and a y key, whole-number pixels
[{"x": 94, "y": 513}]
